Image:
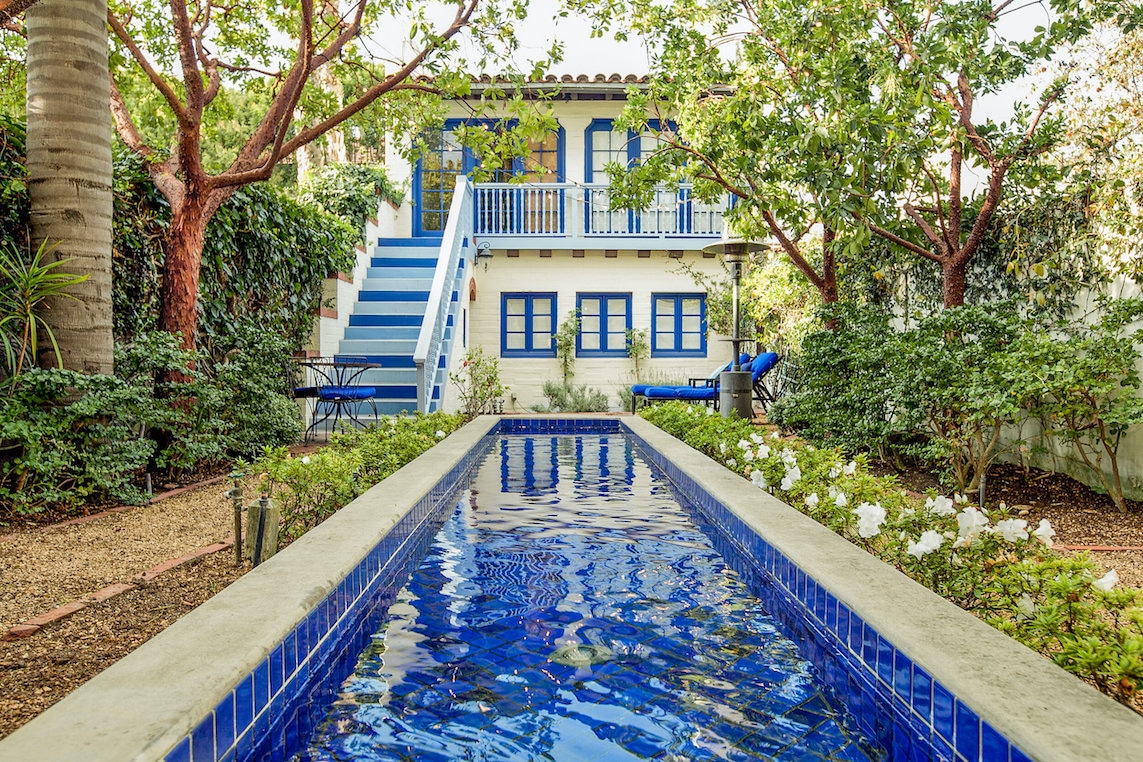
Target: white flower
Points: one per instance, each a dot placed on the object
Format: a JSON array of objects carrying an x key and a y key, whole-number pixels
[
  {"x": 841, "y": 500},
  {"x": 1107, "y": 581},
  {"x": 1025, "y": 607},
  {"x": 788, "y": 457},
  {"x": 756, "y": 438},
  {"x": 440, "y": 434},
  {"x": 775, "y": 435},
  {"x": 722, "y": 447},
  {"x": 870, "y": 516},
  {"x": 748, "y": 455},
  {"x": 970, "y": 522},
  {"x": 930, "y": 540},
  {"x": 835, "y": 472},
  {"x": 305, "y": 460},
  {"x": 850, "y": 467},
  {"x": 940, "y": 505},
  {"x": 1044, "y": 533},
  {"x": 1012, "y": 529},
  {"x": 743, "y": 445},
  {"x": 759, "y": 479},
  {"x": 710, "y": 411},
  {"x": 812, "y": 500},
  {"x": 791, "y": 478},
  {"x": 960, "y": 499},
  {"x": 764, "y": 451},
  {"x": 731, "y": 463}
]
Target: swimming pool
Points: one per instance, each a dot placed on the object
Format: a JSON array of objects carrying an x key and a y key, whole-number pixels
[
  {"x": 570, "y": 609},
  {"x": 236, "y": 678}
]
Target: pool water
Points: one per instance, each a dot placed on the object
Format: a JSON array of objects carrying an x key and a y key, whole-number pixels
[{"x": 571, "y": 610}]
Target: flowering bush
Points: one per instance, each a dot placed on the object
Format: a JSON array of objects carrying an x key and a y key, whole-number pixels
[{"x": 990, "y": 563}]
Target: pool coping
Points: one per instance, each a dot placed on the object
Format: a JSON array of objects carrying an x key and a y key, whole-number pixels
[{"x": 148, "y": 703}]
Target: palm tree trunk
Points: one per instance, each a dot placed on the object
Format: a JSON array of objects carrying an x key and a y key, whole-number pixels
[{"x": 69, "y": 169}]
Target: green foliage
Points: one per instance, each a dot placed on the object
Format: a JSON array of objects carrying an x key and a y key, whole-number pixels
[
  {"x": 67, "y": 439},
  {"x": 846, "y": 380},
  {"x": 25, "y": 286},
  {"x": 313, "y": 487},
  {"x": 13, "y": 185},
  {"x": 264, "y": 261},
  {"x": 351, "y": 191},
  {"x": 992, "y": 565},
  {"x": 782, "y": 304},
  {"x": 478, "y": 382},
  {"x": 569, "y": 398}
]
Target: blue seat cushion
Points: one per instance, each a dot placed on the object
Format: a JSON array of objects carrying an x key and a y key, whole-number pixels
[
  {"x": 703, "y": 393},
  {"x": 761, "y": 364},
  {"x": 346, "y": 392},
  {"x": 639, "y": 389}
]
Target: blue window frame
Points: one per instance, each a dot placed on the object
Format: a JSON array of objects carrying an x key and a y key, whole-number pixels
[
  {"x": 444, "y": 158},
  {"x": 604, "y": 320},
  {"x": 603, "y": 145},
  {"x": 527, "y": 325},
  {"x": 678, "y": 325}
]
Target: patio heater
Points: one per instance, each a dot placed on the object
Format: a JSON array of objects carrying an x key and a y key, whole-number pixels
[{"x": 735, "y": 390}]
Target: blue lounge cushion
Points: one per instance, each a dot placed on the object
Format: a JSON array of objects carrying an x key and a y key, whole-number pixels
[{"x": 761, "y": 364}]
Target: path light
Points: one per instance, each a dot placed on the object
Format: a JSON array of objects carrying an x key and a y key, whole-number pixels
[{"x": 735, "y": 390}]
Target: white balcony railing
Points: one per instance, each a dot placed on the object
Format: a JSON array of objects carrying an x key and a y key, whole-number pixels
[{"x": 583, "y": 211}]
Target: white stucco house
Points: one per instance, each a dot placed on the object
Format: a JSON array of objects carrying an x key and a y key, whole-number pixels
[{"x": 500, "y": 265}]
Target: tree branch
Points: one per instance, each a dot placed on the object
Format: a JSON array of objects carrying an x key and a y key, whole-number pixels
[{"x": 156, "y": 79}]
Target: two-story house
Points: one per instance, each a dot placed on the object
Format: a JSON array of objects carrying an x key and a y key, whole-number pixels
[{"x": 501, "y": 265}]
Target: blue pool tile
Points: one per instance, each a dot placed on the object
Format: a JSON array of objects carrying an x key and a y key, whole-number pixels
[
  {"x": 922, "y": 694},
  {"x": 842, "y": 628},
  {"x": 262, "y": 685},
  {"x": 1018, "y": 756},
  {"x": 885, "y": 652},
  {"x": 869, "y": 647},
  {"x": 993, "y": 746},
  {"x": 277, "y": 668},
  {"x": 903, "y": 676},
  {"x": 967, "y": 740},
  {"x": 943, "y": 711},
  {"x": 224, "y": 731},
  {"x": 202, "y": 741},
  {"x": 181, "y": 752},
  {"x": 244, "y": 704}
]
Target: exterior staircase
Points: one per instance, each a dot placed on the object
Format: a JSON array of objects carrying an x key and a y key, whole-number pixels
[{"x": 386, "y": 321}]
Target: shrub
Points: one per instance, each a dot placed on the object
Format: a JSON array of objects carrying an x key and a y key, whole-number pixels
[
  {"x": 478, "y": 382},
  {"x": 351, "y": 191},
  {"x": 313, "y": 487},
  {"x": 67, "y": 438},
  {"x": 569, "y": 398}
]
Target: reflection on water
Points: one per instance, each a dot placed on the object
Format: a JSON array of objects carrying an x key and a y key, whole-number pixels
[{"x": 570, "y": 610}]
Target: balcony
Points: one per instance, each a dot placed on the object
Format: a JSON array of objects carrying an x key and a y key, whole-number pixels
[{"x": 578, "y": 216}]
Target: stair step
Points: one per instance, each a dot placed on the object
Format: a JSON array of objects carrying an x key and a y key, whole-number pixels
[
  {"x": 393, "y": 296},
  {"x": 387, "y": 260},
  {"x": 382, "y": 307},
  {"x": 389, "y": 274},
  {"x": 418, "y": 243},
  {"x": 397, "y": 285},
  {"x": 408, "y": 321},
  {"x": 377, "y": 347},
  {"x": 386, "y": 333}
]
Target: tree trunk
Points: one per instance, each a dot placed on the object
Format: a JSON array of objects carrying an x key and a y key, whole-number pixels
[
  {"x": 954, "y": 282},
  {"x": 69, "y": 170},
  {"x": 182, "y": 249}
]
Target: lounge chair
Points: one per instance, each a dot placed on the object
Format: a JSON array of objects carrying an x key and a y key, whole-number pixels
[
  {"x": 708, "y": 393},
  {"x": 640, "y": 390}
]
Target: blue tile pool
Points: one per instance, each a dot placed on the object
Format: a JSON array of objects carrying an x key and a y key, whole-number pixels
[
  {"x": 570, "y": 609},
  {"x": 497, "y": 646}
]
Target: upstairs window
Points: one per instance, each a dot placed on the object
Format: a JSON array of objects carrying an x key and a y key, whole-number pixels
[
  {"x": 678, "y": 325},
  {"x": 604, "y": 320}
]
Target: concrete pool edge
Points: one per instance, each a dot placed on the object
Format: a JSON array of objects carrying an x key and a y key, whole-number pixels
[
  {"x": 1046, "y": 712},
  {"x": 145, "y": 704}
]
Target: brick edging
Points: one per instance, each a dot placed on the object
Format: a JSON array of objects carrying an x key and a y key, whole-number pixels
[{"x": 35, "y": 624}]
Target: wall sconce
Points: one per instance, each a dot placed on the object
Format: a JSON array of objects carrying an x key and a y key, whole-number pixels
[{"x": 483, "y": 254}]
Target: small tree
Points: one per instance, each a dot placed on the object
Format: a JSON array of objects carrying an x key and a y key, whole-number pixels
[
  {"x": 566, "y": 337},
  {"x": 478, "y": 382}
]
